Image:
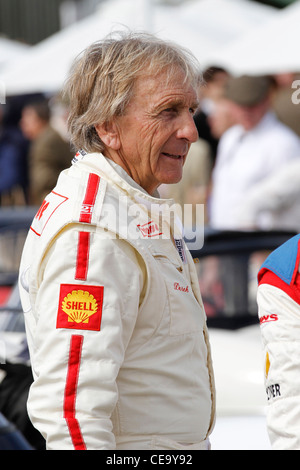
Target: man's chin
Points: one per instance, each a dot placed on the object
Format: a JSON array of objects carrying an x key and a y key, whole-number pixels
[{"x": 174, "y": 179}]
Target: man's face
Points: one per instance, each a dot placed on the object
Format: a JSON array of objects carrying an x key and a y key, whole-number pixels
[
  {"x": 156, "y": 131},
  {"x": 249, "y": 117},
  {"x": 31, "y": 124}
]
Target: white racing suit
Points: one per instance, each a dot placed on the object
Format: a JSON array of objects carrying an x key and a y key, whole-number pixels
[
  {"x": 279, "y": 311},
  {"x": 114, "y": 319}
]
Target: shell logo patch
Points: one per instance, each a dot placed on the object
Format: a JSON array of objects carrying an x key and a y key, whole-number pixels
[{"x": 80, "y": 307}]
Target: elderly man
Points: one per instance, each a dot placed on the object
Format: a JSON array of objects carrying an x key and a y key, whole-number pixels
[{"x": 115, "y": 322}]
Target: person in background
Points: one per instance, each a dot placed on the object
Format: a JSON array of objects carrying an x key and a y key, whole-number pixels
[
  {"x": 274, "y": 202},
  {"x": 13, "y": 158},
  {"x": 249, "y": 151},
  {"x": 285, "y": 100},
  {"x": 211, "y": 92},
  {"x": 115, "y": 321},
  {"x": 278, "y": 299},
  {"x": 49, "y": 152},
  {"x": 221, "y": 118}
]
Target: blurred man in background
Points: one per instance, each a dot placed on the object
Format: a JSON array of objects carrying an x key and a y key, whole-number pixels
[
  {"x": 49, "y": 151},
  {"x": 250, "y": 151},
  {"x": 13, "y": 158}
]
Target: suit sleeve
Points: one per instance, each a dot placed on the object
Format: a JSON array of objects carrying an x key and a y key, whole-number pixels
[
  {"x": 86, "y": 308},
  {"x": 279, "y": 312}
]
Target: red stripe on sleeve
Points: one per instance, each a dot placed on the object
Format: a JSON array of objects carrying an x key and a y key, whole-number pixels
[
  {"x": 83, "y": 252},
  {"x": 71, "y": 392},
  {"x": 82, "y": 262},
  {"x": 89, "y": 199}
]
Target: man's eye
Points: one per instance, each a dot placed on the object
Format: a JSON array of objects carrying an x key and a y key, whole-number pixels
[{"x": 169, "y": 110}]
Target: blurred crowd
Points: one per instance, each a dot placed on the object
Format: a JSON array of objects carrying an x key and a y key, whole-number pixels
[
  {"x": 244, "y": 168},
  {"x": 34, "y": 148}
]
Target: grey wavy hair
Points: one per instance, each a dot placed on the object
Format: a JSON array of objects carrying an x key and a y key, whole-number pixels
[{"x": 101, "y": 80}]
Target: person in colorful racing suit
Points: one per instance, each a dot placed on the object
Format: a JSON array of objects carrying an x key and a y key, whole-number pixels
[
  {"x": 114, "y": 318},
  {"x": 279, "y": 312}
]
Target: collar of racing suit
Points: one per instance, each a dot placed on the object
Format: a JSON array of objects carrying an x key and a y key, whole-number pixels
[{"x": 164, "y": 212}]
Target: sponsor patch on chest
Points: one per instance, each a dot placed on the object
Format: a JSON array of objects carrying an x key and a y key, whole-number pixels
[
  {"x": 273, "y": 391},
  {"x": 181, "y": 288},
  {"x": 149, "y": 230},
  {"x": 180, "y": 248}
]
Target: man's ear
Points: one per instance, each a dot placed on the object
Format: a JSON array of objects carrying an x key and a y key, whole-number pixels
[{"x": 108, "y": 133}]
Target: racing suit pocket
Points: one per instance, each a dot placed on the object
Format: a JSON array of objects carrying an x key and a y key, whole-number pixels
[
  {"x": 186, "y": 314},
  {"x": 156, "y": 442},
  {"x": 168, "y": 444}
]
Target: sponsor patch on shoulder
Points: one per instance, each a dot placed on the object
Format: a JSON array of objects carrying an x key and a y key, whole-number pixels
[
  {"x": 50, "y": 204},
  {"x": 80, "y": 307}
]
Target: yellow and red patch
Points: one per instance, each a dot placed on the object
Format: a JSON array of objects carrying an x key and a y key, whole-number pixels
[{"x": 80, "y": 307}]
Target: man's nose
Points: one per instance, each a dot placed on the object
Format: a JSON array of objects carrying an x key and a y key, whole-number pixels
[{"x": 188, "y": 129}]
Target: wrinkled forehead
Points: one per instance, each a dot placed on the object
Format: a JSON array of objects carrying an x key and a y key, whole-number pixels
[
  {"x": 175, "y": 69},
  {"x": 167, "y": 81}
]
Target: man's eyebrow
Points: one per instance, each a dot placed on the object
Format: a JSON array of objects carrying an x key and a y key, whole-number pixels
[
  {"x": 195, "y": 104},
  {"x": 181, "y": 102}
]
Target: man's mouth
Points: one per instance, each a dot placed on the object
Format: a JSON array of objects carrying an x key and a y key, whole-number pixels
[{"x": 171, "y": 155}]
